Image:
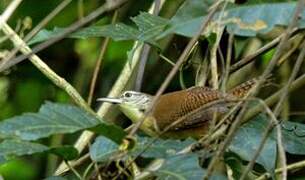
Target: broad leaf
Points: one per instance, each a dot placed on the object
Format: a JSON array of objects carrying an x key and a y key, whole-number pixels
[
  {"x": 44, "y": 34},
  {"x": 293, "y": 137},
  {"x": 159, "y": 148},
  {"x": 191, "y": 9},
  {"x": 184, "y": 166},
  {"x": 66, "y": 152},
  {"x": 247, "y": 139},
  {"x": 240, "y": 20},
  {"x": 13, "y": 148},
  {"x": 149, "y": 26},
  {"x": 117, "y": 32},
  {"x": 103, "y": 149},
  {"x": 53, "y": 119}
]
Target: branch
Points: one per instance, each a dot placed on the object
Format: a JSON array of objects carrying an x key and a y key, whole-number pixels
[
  {"x": 296, "y": 165},
  {"x": 9, "y": 11},
  {"x": 45, "y": 69}
]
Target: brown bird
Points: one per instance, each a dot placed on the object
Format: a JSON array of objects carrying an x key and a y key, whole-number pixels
[{"x": 182, "y": 112}]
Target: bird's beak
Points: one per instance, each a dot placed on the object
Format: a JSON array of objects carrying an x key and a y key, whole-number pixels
[{"x": 111, "y": 100}]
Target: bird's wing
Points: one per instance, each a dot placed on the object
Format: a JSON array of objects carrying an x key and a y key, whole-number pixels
[
  {"x": 199, "y": 117},
  {"x": 198, "y": 108}
]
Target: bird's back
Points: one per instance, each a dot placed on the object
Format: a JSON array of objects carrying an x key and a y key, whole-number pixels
[{"x": 181, "y": 104}]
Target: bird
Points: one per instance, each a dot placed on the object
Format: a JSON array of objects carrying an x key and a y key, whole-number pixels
[{"x": 186, "y": 105}]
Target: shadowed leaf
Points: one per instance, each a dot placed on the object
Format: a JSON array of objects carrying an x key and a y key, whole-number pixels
[
  {"x": 102, "y": 149},
  {"x": 54, "y": 119}
]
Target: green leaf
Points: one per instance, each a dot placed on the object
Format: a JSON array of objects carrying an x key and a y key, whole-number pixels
[
  {"x": 247, "y": 139},
  {"x": 53, "y": 119},
  {"x": 184, "y": 166},
  {"x": 293, "y": 137},
  {"x": 11, "y": 148},
  {"x": 66, "y": 152},
  {"x": 103, "y": 149},
  {"x": 112, "y": 132},
  {"x": 242, "y": 20},
  {"x": 117, "y": 32},
  {"x": 160, "y": 148},
  {"x": 44, "y": 34},
  {"x": 191, "y": 9},
  {"x": 149, "y": 26}
]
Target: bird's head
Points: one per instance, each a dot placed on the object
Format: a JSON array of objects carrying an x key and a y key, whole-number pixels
[
  {"x": 131, "y": 99},
  {"x": 134, "y": 104}
]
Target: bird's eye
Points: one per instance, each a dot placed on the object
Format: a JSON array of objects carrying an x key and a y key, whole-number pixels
[{"x": 127, "y": 94}]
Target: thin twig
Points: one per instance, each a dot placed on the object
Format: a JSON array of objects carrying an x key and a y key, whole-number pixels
[
  {"x": 228, "y": 63},
  {"x": 246, "y": 60},
  {"x": 281, "y": 150},
  {"x": 166, "y": 59},
  {"x": 296, "y": 41},
  {"x": 274, "y": 98},
  {"x": 293, "y": 75},
  {"x": 74, "y": 171},
  {"x": 297, "y": 165},
  {"x": 284, "y": 93},
  {"x": 99, "y": 62},
  {"x": 9, "y": 11},
  {"x": 35, "y": 30},
  {"x": 219, "y": 33},
  {"x": 44, "y": 68},
  {"x": 145, "y": 53}
]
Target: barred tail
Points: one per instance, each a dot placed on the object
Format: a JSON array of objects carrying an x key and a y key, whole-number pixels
[{"x": 243, "y": 89}]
